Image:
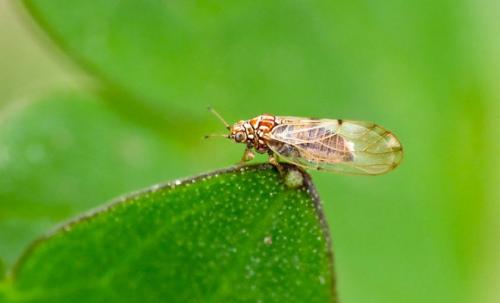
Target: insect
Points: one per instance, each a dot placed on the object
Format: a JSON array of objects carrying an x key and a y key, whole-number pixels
[{"x": 341, "y": 146}]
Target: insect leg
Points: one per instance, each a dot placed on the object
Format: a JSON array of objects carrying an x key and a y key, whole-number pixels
[
  {"x": 247, "y": 156},
  {"x": 273, "y": 160}
]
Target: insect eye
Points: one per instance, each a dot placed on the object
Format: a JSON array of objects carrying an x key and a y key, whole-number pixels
[{"x": 240, "y": 137}]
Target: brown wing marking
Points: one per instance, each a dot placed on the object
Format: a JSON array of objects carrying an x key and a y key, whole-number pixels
[{"x": 352, "y": 147}]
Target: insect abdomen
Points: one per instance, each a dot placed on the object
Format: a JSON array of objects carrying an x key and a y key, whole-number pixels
[{"x": 329, "y": 147}]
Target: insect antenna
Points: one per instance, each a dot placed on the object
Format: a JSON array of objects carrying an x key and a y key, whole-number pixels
[
  {"x": 213, "y": 111},
  {"x": 216, "y": 135}
]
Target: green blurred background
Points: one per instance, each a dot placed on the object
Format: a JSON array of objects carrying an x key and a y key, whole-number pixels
[{"x": 114, "y": 99}]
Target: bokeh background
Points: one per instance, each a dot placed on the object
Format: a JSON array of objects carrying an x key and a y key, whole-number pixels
[{"x": 106, "y": 98}]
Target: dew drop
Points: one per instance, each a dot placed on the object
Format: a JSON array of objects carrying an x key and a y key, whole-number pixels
[
  {"x": 155, "y": 187},
  {"x": 268, "y": 240},
  {"x": 294, "y": 178},
  {"x": 321, "y": 280}
]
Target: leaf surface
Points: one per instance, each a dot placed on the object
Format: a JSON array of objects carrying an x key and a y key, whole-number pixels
[{"x": 237, "y": 235}]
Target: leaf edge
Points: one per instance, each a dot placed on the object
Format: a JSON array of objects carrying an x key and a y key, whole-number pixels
[{"x": 308, "y": 185}]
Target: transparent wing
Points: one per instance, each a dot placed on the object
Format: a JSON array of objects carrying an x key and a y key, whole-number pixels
[{"x": 342, "y": 146}]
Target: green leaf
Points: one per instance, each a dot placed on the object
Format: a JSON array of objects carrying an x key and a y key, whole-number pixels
[
  {"x": 190, "y": 53},
  {"x": 236, "y": 235},
  {"x": 62, "y": 155},
  {"x": 2, "y": 269}
]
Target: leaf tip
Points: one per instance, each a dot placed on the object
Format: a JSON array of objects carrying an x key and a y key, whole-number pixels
[{"x": 293, "y": 178}]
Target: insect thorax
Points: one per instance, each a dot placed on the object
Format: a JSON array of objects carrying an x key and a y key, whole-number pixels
[{"x": 257, "y": 129}]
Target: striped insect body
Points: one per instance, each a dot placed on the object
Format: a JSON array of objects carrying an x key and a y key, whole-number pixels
[{"x": 341, "y": 146}]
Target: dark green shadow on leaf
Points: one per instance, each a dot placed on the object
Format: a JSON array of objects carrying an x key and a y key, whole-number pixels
[{"x": 234, "y": 235}]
